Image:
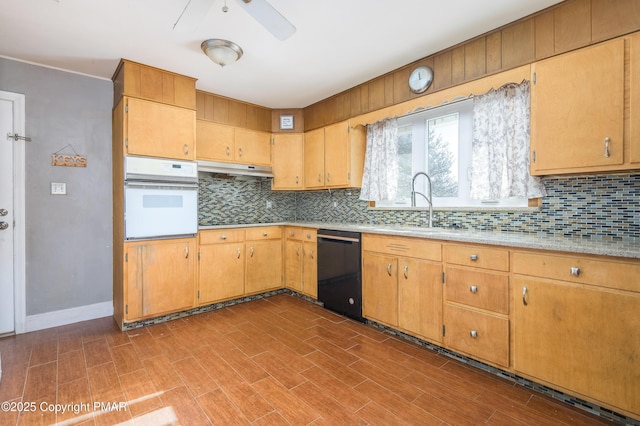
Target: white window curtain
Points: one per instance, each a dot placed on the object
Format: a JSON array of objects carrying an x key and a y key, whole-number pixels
[
  {"x": 380, "y": 178},
  {"x": 500, "y": 152}
]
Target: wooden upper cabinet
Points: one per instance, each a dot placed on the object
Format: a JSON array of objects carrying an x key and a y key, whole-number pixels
[
  {"x": 287, "y": 161},
  {"x": 252, "y": 147},
  {"x": 577, "y": 110},
  {"x": 219, "y": 142},
  {"x": 158, "y": 130},
  {"x": 314, "y": 159},
  {"x": 334, "y": 156},
  {"x": 145, "y": 82},
  {"x": 634, "y": 102},
  {"x": 215, "y": 141}
]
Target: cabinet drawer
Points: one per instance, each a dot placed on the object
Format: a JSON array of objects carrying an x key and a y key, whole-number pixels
[
  {"x": 478, "y": 256},
  {"x": 219, "y": 236},
  {"x": 484, "y": 290},
  {"x": 480, "y": 335},
  {"x": 264, "y": 233},
  {"x": 301, "y": 234},
  {"x": 606, "y": 273},
  {"x": 410, "y": 247}
]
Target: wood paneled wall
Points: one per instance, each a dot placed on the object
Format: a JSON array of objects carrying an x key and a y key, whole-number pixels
[
  {"x": 567, "y": 26},
  {"x": 223, "y": 110}
]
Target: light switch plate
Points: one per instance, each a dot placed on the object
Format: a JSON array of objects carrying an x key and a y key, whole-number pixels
[{"x": 58, "y": 188}]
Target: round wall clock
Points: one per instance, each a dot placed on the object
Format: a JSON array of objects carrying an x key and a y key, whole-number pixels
[{"x": 420, "y": 79}]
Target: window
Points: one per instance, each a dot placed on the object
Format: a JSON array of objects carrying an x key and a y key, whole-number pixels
[{"x": 438, "y": 142}]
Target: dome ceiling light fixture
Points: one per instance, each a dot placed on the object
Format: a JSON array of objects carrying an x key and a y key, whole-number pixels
[{"x": 222, "y": 52}]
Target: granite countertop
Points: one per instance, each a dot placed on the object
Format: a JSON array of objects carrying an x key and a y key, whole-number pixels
[{"x": 626, "y": 249}]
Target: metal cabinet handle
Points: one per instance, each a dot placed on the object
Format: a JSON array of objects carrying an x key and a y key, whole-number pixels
[
  {"x": 406, "y": 271},
  {"x": 186, "y": 252},
  {"x": 293, "y": 233},
  {"x": 575, "y": 271},
  {"x": 607, "y": 153},
  {"x": 186, "y": 149},
  {"x": 311, "y": 256},
  {"x": 319, "y": 177},
  {"x": 238, "y": 253},
  {"x": 473, "y": 334},
  {"x": 223, "y": 237},
  {"x": 389, "y": 268},
  {"x": 473, "y": 257},
  {"x": 228, "y": 151},
  {"x": 240, "y": 152},
  {"x": 328, "y": 177},
  {"x": 251, "y": 250},
  {"x": 308, "y": 236},
  {"x": 298, "y": 251},
  {"x": 3, "y": 226},
  {"x": 297, "y": 180},
  {"x": 524, "y": 296},
  {"x": 3, "y": 212},
  {"x": 473, "y": 289},
  {"x": 264, "y": 234}
]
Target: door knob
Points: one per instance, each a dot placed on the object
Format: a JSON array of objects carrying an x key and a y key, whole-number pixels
[
  {"x": 3, "y": 212},
  {"x": 3, "y": 225}
]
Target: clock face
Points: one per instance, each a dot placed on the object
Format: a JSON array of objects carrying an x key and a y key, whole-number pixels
[{"x": 420, "y": 79}]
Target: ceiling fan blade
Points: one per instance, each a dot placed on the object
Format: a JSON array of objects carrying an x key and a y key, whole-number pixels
[
  {"x": 269, "y": 18},
  {"x": 192, "y": 14}
]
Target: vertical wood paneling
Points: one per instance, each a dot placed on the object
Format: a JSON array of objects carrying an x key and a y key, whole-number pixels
[
  {"x": 457, "y": 65},
  {"x": 442, "y": 70},
  {"x": 494, "y": 52},
  {"x": 572, "y": 25},
  {"x": 475, "y": 59},
  {"x": 185, "y": 93},
  {"x": 168, "y": 88},
  {"x": 376, "y": 93},
  {"x": 252, "y": 117},
  {"x": 401, "y": 90},
  {"x": 518, "y": 44},
  {"x": 151, "y": 83},
  {"x": 355, "y": 102},
  {"x": 200, "y": 105},
  {"x": 237, "y": 114},
  {"x": 610, "y": 18},
  {"x": 544, "y": 35},
  {"x": 388, "y": 90},
  {"x": 220, "y": 110}
]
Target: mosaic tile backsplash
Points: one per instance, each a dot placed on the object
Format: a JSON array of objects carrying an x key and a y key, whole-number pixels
[{"x": 605, "y": 207}]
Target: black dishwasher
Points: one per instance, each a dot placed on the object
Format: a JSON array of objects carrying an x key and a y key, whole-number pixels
[{"x": 340, "y": 272}]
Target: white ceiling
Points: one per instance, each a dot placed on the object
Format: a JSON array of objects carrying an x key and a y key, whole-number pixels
[{"x": 338, "y": 43}]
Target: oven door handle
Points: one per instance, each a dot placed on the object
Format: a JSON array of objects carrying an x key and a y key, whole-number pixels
[
  {"x": 161, "y": 185},
  {"x": 335, "y": 238}
]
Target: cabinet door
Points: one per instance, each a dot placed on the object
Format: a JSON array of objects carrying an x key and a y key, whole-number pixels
[
  {"x": 160, "y": 277},
  {"x": 380, "y": 288},
  {"x": 160, "y": 130},
  {"x": 314, "y": 159},
  {"x": 215, "y": 141},
  {"x": 287, "y": 161},
  {"x": 420, "y": 298},
  {"x": 310, "y": 269},
  {"x": 220, "y": 272},
  {"x": 263, "y": 266},
  {"x": 252, "y": 147},
  {"x": 577, "y": 102},
  {"x": 336, "y": 154},
  {"x": 634, "y": 109},
  {"x": 293, "y": 256},
  {"x": 583, "y": 338}
]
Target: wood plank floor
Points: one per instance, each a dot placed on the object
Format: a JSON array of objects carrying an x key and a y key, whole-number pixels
[{"x": 276, "y": 361}]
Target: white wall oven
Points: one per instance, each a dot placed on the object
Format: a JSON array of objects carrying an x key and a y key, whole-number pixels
[{"x": 160, "y": 197}]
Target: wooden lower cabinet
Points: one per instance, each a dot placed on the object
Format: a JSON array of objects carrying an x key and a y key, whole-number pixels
[
  {"x": 235, "y": 262},
  {"x": 159, "y": 277},
  {"x": 420, "y": 298},
  {"x": 301, "y": 264},
  {"x": 582, "y": 338},
  {"x": 221, "y": 259},
  {"x": 402, "y": 284}
]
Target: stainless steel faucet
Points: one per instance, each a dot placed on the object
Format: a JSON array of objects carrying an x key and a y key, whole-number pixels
[{"x": 429, "y": 199}]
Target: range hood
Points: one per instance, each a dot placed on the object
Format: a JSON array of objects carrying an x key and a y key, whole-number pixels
[{"x": 235, "y": 169}]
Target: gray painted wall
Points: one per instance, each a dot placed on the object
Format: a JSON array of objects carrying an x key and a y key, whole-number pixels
[{"x": 68, "y": 237}]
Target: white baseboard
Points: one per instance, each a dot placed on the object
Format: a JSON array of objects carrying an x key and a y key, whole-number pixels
[{"x": 68, "y": 316}]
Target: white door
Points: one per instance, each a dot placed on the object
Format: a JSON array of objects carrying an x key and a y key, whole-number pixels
[{"x": 11, "y": 190}]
